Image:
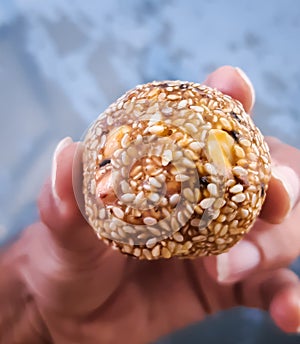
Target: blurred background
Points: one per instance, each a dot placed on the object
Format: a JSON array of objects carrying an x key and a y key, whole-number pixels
[{"x": 63, "y": 62}]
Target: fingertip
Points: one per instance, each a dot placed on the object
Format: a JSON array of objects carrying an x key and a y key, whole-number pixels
[
  {"x": 234, "y": 82},
  {"x": 285, "y": 309},
  {"x": 282, "y": 194}
]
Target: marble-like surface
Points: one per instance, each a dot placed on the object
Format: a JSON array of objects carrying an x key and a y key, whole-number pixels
[{"x": 63, "y": 62}]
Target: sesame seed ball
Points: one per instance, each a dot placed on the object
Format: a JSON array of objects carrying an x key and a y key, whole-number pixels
[{"x": 174, "y": 168}]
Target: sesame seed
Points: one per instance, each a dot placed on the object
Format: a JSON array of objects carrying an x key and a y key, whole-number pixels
[
  {"x": 197, "y": 108},
  {"x": 155, "y": 182},
  {"x": 196, "y": 146},
  {"x": 239, "y": 198},
  {"x": 127, "y": 198},
  {"x": 181, "y": 178},
  {"x": 174, "y": 199},
  {"x": 125, "y": 186},
  {"x": 128, "y": 229},
  {"x": 156, "y": 251},
  {"x": 182, "y": 104},
  {"x": 181, "y": 218},
  {"x": 157, "y": 129},
  {"x": 239, "y": 152},
  {"x": 207, "y": 203},
  {"x": 220, "y": 241},
  {"x": 253, "y": 200},
  {"x": 151, "y": 242},
  {"x": 191, "y": 128},
  {"x": 178, "y": 237},
  {"x": 244, "y": 213},
  {"x": 118, "y": 212},
  {"x": 166, "y": 157},
  {"x": 154, "y": 231},
  {"x": 224, "y": 230},
  {"x": 239, "y": 171},
  {"x": 188, "y": 194},
  {"x": 236, "y": 189},
  {"x": 173, "y": 97},
  {"x": 149, "y": 221},
  {"x": 225, "y": 123},
  {"x": 245, "y": 142},
  {"x": 166, "y": 253},
  {"x": 195, "y": 222},
  {"x": 102, "y": 213},
  {"x": 153, "y": 197},
  {"x": 210, "y": 169},
  {"x": 217, "y": 228},
  {"x": 137, "y": 252},
  {"x": 167, "y": 111},
  {"x": 212, "y": 189},
  {"x": 199, "y": 238},
  {"x": 187, "y": 162},
  {"x": 146, "y": 253}
]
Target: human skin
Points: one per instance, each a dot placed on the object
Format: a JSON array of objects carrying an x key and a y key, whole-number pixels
[{"x": 60, "y": 284}]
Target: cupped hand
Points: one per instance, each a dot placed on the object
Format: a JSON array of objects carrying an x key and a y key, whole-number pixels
[{"x": 78, "y": 290}]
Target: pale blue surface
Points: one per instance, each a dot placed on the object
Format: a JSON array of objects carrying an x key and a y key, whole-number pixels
[{"x": 63, "y": 62}]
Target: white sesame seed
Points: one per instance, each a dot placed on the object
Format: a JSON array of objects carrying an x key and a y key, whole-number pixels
[
  {"x": 244, "y": 213},
  {"x": 153, "y": 197},
  {"x": 209, "y": 168},
  {"x": 173, "y": 96},
  {"x": 239, "y": 171},
  {"x": 125, "y": 140},
  {"x": 161, "y": 178},
  {"x": 102, "y": 213},
  {"x": 182, "y": 104},
  {"x": 127, "y": 197},
  {"x": 154, "y": 231},
  {"x": 253, "y": 200},
  {"x": 239, "y": 152},
  {"x": 156, "y": 251},
  {"x": 207, "y": 203},
  {"x": 118, "y": 212},
  {"x": 239, "y": 198},
  {"x": 151, "y": 242},
  {"x": 155, "y": 182},
  {"x": 128, "y": 229},
  {"x": 236, "y": 188},
  {"x": 188, "y": 194},
  {"x": 177, "y": 155},
  {"x": 191, "y": 128},
  {"x": 156, "y": 129},
  {"x": 174, "y": 199},
  {"x": 149, "y": 221},
  {"x": 181, "y": 178},
  {"x": 212, "y": 189},
  {"x": 167, "y": 111},
  {"x": 196, "y": 146},
  {"x": 178, "y": 237},
  {"x": 166, "y": 157},
  {"x": 181, "y": 218},
  {"x": 245, "y": 142},
  {"x": 225, "y": 123},
  {"x": 125, "y": 158},
  {"x": 187, "y": 162},
  {"x": 197, "y": 108}
]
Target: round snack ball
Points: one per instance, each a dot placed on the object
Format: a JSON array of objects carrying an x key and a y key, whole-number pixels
[{"x": 174, "y": 168}]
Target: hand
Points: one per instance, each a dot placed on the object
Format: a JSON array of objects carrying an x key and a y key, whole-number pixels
[{"x": 75, "y": 289}]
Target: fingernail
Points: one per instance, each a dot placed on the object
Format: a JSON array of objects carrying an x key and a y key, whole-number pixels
[
  {"x": 290, "y": 181},
  {"x": 249, "y": 84},
  {"x": 238, "y": 262},
  {"x": 61, "y": 145}
]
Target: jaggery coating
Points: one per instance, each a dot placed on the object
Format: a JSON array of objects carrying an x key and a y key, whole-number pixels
[{"x": 174, "y": 168}]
